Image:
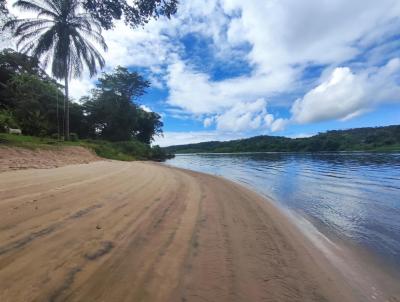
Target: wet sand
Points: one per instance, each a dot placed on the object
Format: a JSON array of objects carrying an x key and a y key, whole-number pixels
[{"x": 114, "y": 231}]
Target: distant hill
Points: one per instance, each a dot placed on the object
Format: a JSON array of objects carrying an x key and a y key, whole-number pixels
[{"x": 358, "y": 139}]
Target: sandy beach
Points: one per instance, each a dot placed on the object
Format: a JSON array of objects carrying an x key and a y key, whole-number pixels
[{"x": 115, "y": 231}]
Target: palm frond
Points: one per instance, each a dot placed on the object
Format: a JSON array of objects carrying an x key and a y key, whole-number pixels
[
  {"x": 36, "y": 7},
  {"x": 30, "y": 37},
  {"x": 91, "y": 57},
  {"x": 30, "y": 25},
  {"x": 45, "y": 42},
  {"x": 64, "y": 37}
]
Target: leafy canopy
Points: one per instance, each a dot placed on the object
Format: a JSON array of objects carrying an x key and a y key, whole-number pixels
[
  {"x": 135, "y": 13},
  {"x": 371, "y": 139},
  {"x": 62, "y": 34},
  {"x": 129, "y": 85},
  {"x": 12, "y": 62},
  {"x": 33, "y": 102},
  {"x": 113, "y": 113},
  {"x": 3, "y": 8}
]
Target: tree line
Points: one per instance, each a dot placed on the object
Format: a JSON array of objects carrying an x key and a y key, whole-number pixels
[
  {"x": 66, "y": 35},
  {"x": 359, "y": 139},
  {"x": 33, "y": 101}
]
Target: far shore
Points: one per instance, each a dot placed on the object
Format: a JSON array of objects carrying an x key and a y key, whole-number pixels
[{"x": 142, "y": 231}]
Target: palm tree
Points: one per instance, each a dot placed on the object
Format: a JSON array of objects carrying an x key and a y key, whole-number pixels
[{"x": 62, "y": 35}]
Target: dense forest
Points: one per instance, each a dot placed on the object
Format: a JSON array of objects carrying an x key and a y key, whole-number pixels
[
  {"x": 65, "y": 39},
  {"x": 32, "y": 101},
  {"x": 368, "y": 139}
]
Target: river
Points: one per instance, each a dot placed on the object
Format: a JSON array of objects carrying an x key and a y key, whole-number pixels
[{"x": 353, "y": 196}]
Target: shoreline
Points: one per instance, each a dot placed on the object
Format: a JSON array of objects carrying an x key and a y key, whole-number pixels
[
  {"x": 371, "y": 277},
  {"x": 153, "y": 232},
  {"x": 346, "y": 258}
]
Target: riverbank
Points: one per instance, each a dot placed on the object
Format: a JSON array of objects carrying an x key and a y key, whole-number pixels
[
  {"x": 21, "y": 158},
  {"x": 114, "y": 231},
  {"x": 116, "y": 150},
  {"x": 350, "y": 199}
]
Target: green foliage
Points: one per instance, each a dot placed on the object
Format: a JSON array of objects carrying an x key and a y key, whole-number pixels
[
  {"x": 126, "y": 151},
  {"x": 158, "y": 154},
  {"x": 148, "y": 125},
  {"x": 106, "y": 11},
  {"x": 60, "y": 34},
  {"x": 367, "y": 139},
  {"x": 63, "y": 35},
  {"x": 12, "y": 62},
  {"x": 30, "y": 100},
  {"x": 73, "y": 137},
  {"x": 7, "y": 121},
  {"x": 122, "y": 82},
  {"x": 113, "y": 115},
  {"x": 3, "y": 8},
  {"x": 33, "y": 103}
]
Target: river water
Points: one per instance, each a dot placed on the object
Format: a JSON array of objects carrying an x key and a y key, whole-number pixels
[{"x": 354, "y": 196}]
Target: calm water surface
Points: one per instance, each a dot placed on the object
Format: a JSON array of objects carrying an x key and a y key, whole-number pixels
[{"x": 355, "y": 196}]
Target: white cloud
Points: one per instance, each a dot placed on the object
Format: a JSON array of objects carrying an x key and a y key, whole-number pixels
[
  {"x": 244, "y": 116},
  {"x": 146, "y": 108},
  {"x": 282, "y": 38},
  {"x": 301, "y": 135},
  {"x": 80, "y": 87},
  {"x": 279, "y": 124},
  {"x": 346, "y": 94},
  {"x": 191, "y": 137},
  {"x": 144, "y": 46},
  {"x": 285, "y": 37},
  {"x": 194, "y": 91},
  {"x": 299, "y": 32},
  {"x": 208, "y": 121}
]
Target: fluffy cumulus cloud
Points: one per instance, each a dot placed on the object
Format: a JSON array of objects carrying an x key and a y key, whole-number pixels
[
  {"x": 196, "y": 93},
  {"x": 345, "y": 94},
  {"x": 285, "y": 38},
  {"x": 278, "y": 42},
  {"x": 310, "y": 31},
  {"x": 247, "y": 116},
  {"x": 145, "y": 108},
  {"x": 190, "y": 137}
]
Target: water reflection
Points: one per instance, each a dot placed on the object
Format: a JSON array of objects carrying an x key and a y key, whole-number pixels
[{"x": 354, "y": 195}]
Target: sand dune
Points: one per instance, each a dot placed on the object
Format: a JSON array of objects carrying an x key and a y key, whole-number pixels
[{"x": 112, "y": 231}]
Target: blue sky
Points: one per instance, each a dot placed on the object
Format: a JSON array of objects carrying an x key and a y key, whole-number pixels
[{"x": 227, "y": 69}]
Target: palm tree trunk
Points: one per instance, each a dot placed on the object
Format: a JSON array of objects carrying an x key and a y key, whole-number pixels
[
  {"x": 66, "y": 110},
  {"x": 66, "y": 103}
]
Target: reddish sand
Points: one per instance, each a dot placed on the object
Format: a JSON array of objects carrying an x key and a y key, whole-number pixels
[
  {"x": 21, "y": 158},
  {"x": 114, "y": 231}
]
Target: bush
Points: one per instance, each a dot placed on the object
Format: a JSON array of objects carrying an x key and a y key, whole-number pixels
[
  {"x": 55, "y": 136},
  {"x": 7, "y": 121},
  {"x": 159, "y": 154},
  {"x": 73, "y": 137}
]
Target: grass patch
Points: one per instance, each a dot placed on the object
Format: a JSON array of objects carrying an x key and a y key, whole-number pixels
[{"x": 124, "y": 151}]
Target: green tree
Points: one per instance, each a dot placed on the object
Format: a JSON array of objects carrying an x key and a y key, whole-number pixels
[
  {"x": 3, "y": 8},
  {"x": 79, "y": 122},
  {"x": 14, "y": 63},
  {"x": 122, "y": 82},
  {"x": 149, "y": 125},
  {"x": 135, "y": 13},
  {"x": 112, "y": 110},
  {"x": 112, "y": 117},
  {"x": 7, "y": 120},
  {"x": 63, "y": 35},
  {"x": 33, "y": 103}
]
